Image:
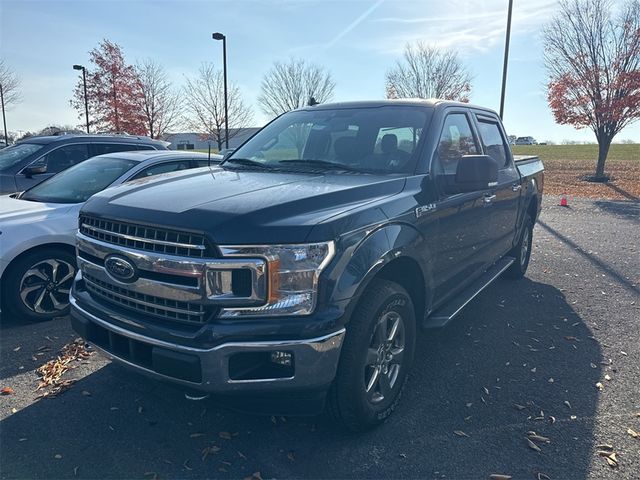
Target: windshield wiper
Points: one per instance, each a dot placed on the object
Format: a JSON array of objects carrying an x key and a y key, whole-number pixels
[
  {"x": 323, "y": 164},
  {"x": 246, "y": 162}
]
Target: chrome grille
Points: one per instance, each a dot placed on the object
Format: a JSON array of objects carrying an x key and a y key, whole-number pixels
[
  {"x": 141, "y": 237},
  {"x": 163, "y": 308}
]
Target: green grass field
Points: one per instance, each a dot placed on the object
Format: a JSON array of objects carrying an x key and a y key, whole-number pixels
[{"x": 617, "y": 152}]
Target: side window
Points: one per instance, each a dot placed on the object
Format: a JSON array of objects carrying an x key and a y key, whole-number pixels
[
  {"x": 149, "y": 147},
  {"x": 456, "y": 140},
  {"x": 102, "y": 148},
  {"x": 63, "y": 157},
  {"x": 493, "y": 142},
  {"x": 163, "y": 168}
]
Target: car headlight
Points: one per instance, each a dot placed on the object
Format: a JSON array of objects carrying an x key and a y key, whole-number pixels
[{"x": 293, "y": 272}]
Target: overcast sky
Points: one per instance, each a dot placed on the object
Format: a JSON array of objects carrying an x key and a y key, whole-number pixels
[{"x": 357, "y": 40}]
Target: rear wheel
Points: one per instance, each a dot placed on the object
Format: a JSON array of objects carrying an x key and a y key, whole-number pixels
[
  {"x": 376, "y": 356},
  {"x": 522, "y": 251},
  {"x": 36, "y": 287}
]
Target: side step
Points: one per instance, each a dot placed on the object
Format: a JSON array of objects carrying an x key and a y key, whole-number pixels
[{"x": 447, "y": 312}]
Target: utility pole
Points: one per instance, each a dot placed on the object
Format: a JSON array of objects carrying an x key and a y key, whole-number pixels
[
  {"x": 4, "y": 118},
  {"x": 506, "y": 60}
]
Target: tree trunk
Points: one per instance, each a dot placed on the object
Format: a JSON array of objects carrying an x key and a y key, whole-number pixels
[{"x": 603, "y": 151}]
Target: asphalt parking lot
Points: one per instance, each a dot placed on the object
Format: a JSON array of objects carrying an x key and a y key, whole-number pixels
[{"x": 524, "y": 356}]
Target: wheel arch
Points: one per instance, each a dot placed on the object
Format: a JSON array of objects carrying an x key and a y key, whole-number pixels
[{"x": 55, "y": 245}]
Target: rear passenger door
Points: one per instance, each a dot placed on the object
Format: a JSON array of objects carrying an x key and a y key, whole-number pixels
[{"x": 505, "y": 196}]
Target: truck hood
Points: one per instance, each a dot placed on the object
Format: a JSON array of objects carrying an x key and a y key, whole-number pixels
[
  {"x": 14, "y": 210},
  {"x": 243, "y": 207}
]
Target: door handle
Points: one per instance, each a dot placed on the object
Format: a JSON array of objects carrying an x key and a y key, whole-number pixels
[
  {"x": 516, "y": 187},
  {"x": 488, "y": 198}
]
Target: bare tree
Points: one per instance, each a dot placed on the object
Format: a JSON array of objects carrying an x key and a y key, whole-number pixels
[
  {"x": 159, "y": 101},
  {"x": 290, "y": 85},
  {"x": 204, "y": 99},
  {"x": 593, "y": 62},
  {"x": 9, "y": 91},
  {"x": 429, "y": 72}
]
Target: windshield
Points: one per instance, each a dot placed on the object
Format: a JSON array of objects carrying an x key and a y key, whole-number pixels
[
  {"x": 374, "y": 139},
  {"x": 76, "y": 184},
  {"x": 11, "y": 155}
]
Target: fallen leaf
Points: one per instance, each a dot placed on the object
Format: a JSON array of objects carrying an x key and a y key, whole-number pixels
[
  {"x": 551, "y": 380},
  {"x": 225, "y": 435},
  {"x": 13, "y": 410},
  {"x": 196, "y": 435},
  {"x": 468, "y": 405},
  {"x": 623, "y": 353},
  {"x": 633, "y": 433},
  {"x": 533, "y": 446},
  {"x": 499, "y": 476},
  {"x": 113, "y": 409},
  {"x": 23, "y": 439},
  {"x": 17, "y": 349},
  {"x": 57, "y": 456},
  {"x": 242, "y": 455},
  {"x": 607, "y": 377},
  {"x": 566, "y": 402},
  {"x": 604, "y": 446},
  {"x": 542, "y": 476},
  {"x": 75, "y": 471},
  {"x": 140, "y": 409},
  {"x": 86, "y": 393},
  {"x": 486, "y": 390},
  {"x": 291, "y": 457},
  {"x": 552, "y": 419},
  {"x": 593, "y": 365},
  {"x": 571, "y": 339},
  {"x": 7, "y": 391},
  {"x": 186, "y": 465},
  {"x": 599, "y": 386},
  {"x": 539, "y": 438},
  {"x": 460, "y": 433},
  {"x": 519, "y": 407}
]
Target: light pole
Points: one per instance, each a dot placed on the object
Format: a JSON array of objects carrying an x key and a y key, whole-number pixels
[
  {"x": 4, "y": 119},
  {"x": 506, "y": 60},
  {"x": 86, "y": 102},
  {"x": 220, "y": 36}
]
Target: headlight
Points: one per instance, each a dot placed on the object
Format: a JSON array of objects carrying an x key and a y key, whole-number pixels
[{"x": 293, "y": 272}]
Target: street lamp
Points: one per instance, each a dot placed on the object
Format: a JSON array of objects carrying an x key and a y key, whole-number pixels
[
  {"x": 220, "y": 36},
  {"x": 4, "y": 118},
  {"x": 84, "y": 81}
]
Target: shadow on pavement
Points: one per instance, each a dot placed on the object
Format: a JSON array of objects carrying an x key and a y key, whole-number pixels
[{"x": 518, "y": 343}]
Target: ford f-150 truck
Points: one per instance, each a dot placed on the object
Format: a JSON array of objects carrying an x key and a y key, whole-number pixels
[{"x": 300, "y": 269}]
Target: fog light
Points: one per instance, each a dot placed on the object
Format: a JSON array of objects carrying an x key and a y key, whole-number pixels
[{"x": 282, "y": 358}]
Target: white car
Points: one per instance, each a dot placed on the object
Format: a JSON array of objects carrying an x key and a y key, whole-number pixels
[{"x": 38, "y": 226}]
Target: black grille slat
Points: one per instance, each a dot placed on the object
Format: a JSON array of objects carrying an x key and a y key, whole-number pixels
[
  {"x": 147, "y": 238},
  {"x": 156, "y": 306}
]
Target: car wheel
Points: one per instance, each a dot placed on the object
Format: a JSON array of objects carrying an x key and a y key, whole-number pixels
[
  {"x": 36, "y": 287},
  {"x": 522, "y": 251},
  {"x": 376, "y": 356}
]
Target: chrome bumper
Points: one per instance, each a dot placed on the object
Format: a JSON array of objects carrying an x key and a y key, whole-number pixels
[{"x": 315, "y": 360}]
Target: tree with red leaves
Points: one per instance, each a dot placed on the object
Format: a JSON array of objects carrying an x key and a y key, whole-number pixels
[
  {"x": 113, "y": 92},
  {"x": 593, "y": 62}
]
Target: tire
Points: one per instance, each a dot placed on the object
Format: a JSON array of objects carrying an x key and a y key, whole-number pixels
[
  {"x": 383, "y": 323},
  {"x": 522, "y": 251},
  {"x": 36, "y": 286}
]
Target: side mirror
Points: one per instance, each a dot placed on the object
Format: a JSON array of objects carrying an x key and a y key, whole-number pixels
[
  {"x": 476, "y": 172},
  {"x": 226, "y": 152},
  {"x": 34, "y": 170}
]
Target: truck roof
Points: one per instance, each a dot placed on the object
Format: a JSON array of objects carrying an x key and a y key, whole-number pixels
[{"x": 416, "y": 102}]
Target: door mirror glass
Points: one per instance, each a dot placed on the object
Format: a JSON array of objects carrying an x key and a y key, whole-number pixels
[{"x": 476, "y": 172}]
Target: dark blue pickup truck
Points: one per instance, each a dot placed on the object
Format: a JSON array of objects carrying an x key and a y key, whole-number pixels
[{"x": 299, "y": 270}]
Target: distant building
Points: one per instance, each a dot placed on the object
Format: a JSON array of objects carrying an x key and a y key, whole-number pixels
[{"x": 198, "y": 141}]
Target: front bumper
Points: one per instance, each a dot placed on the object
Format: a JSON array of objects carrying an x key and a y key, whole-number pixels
[{"x": 218, "y": 369}]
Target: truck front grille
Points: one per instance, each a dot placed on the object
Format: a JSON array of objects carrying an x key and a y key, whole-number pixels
[
  {"x": 141, "y": 237},
  {"x": 170, "y": 310}
]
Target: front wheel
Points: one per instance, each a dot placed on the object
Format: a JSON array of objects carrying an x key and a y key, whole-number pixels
[
  {"x": 376, "y": 356},
  {"x": 36, "y": 287},
  {"x": 522, "y": 251}
]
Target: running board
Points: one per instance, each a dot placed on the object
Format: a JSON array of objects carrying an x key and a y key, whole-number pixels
[{"x": 447, "y": 312}]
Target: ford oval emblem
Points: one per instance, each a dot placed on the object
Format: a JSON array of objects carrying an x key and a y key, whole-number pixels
[{"x": 120, "y": 268}]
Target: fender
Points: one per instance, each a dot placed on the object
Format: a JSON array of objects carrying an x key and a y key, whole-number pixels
[{"x": 370, "y": 251}]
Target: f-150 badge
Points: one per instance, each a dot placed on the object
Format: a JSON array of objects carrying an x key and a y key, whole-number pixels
[{"x": 421, "y": 210}]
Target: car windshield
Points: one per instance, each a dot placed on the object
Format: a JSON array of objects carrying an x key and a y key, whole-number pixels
[
  {"x": 76, "y": 184},
  {"x": 11, "y": 155},
  {"x": 380, "y": 139}
]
